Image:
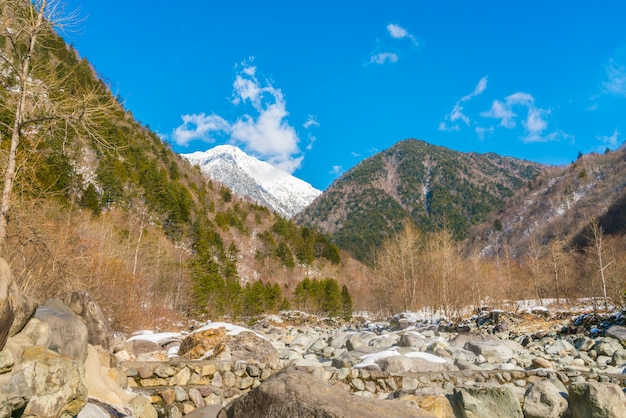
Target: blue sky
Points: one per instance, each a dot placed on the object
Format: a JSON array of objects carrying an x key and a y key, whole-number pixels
[{"x": 316, "y": 87}]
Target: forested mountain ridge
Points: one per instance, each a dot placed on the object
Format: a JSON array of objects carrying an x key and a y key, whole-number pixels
[
  {"x": 560, "y": 204},
  {"x": 430, "y": 185},
  {"x": 101, "y": 203}
]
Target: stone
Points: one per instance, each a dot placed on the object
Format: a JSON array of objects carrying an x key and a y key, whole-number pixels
[
  {"x": 15, "y": 308},
  {"x": 99, "y": 383},
  {"x": 83, "y": 305},
  {"x": 196, "y": 397},
  {"x": 619, "y": 357},
  {"x": 492, "y": 351},
  {"x": 541, "y": 363},
  {"x": 136, "y": 347},
  {"x": 488, "y": 401},
  {"x": 7, "y": 360},
  {"x": 141, "y": 407},
  {"x": 544, "y": 400},
  {"x": 69, "y": 335},
  {"x": 55, "y": 383},
  {"x": 618, "y": 332},
  {"x": 594, "y": 399},
  {"x": 244, "y": 346},
  {"x": 291, "y": 393}
]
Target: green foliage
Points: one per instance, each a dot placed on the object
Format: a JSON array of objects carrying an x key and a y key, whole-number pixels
[
  {"x": 346, "y": 303},
  {"x": 323, "y": 297},
  {"x": 226, "y": 194},
  {"x": 91, "y": 199}
]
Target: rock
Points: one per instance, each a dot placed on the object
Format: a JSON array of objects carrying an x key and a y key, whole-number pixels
[
  {"x": 618, "y": 332},
  {"x": 399, "y": 364},
  {"x": 487, "y": 401},
  {"x": 83, "y": 305},
  {"x": 100, "y": 386},
  {"x": 209, "y": 411},
  {"x": 541, "y": 363},
  {"x": 492, "y": 351},
  {"x": 142, "y": 407},
  {"x": 95, "y": 409},
  {"x": 291, "y": 393},
  {"x": 242, "y": 346},
  {"x": 15, "y": 308},
  {"x": 463, "y": 338},
  {"x": 55, "y": 383},
  {"x": 69, "y": 332},
  {"x": 544, "y": 400},
  {"x": 619, "y": 357},
  {"x": 136, "y": 347},
  {"x": 412, "y": 340},
  {"x": 594, "y": 399}
]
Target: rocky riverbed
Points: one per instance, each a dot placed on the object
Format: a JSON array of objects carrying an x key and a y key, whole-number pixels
[{"x": 61, "y": 359}]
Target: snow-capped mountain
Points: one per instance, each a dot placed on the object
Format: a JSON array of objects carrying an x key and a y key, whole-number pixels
[{"x": 248, "y": 176}]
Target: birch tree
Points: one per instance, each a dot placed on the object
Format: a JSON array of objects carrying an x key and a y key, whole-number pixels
[{"x": 38, "y": 99}]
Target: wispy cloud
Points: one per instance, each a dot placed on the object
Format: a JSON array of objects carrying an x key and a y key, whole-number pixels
[
  {"x": 535, "y": 123},
  {"x": 482, "y": 131},
  {"x": 383, "y": 57},
  {"x": 449, "y": 122},
  {"x": 610, "y": 141},
  {"x": 615, "y": 83},
  {"x": 387, "y": 50},
  {"x": 311, "y": 122},
  {"x": 265, "y": 133},
  {"x": 398, "y": 32},
  {"x": 199, "y": 127},
  {"x": 337, "y": 170}
]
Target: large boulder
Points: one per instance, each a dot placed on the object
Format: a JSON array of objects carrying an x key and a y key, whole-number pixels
[
  {"x": 69, "y": 332},
  {"x": 15, "y": 308},
  {"x": 544, "y": 400},
  {"x": 487, "y": 401},
  {"x": 83, "y": 305},
  {"x": 598, "y": 400},
  {"x": 54, "y": 383},
  {"x": 291, "y": 393},
  {"x": 221, "y": 343},
  {"x": 492, "y": 351},
  {"x": 618, "y": 332}
]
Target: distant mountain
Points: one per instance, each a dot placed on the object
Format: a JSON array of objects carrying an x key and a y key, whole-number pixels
[
  {"x": 560, "y": 204},
  {"x": 431, "y": 185},
  {"x": 258, "y": 180}
]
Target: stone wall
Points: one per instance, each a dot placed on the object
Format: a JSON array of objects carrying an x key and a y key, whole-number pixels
[{"x": 177, "y": 387}]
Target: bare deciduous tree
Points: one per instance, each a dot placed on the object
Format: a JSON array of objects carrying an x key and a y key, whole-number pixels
[{"x": 41, "y": 100}]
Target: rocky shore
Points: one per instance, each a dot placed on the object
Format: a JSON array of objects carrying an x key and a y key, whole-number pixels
[{"x": 61, "y": 359}]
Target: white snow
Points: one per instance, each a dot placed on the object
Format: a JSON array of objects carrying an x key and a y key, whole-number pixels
[
  {"x": 261, "y": 181},
  {"x": 371, "y": 359},
  {"x": 157, "y": 338}
]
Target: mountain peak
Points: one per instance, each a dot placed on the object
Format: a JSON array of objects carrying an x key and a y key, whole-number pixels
[{"x": 251, "y": 177}]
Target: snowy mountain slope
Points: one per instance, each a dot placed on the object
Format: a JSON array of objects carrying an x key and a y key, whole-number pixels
[{"x": 248, "y": 176}]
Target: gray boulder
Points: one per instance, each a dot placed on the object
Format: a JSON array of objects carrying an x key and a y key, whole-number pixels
[
  {"x": 487, "y": 401},
  {"x": 492, "y": 351},
  {"x": 69, "y": 332},
  {"x": 291, "y": 393},
  {"x": 83, "y": 305},
  {"x": 544, "y": 400},
  {"x": 598, "y": 400},
  {"x": 618, "y": 332}
]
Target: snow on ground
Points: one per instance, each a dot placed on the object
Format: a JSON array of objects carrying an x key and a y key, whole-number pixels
[
  {"x": 156, "y": 337},
  {"x": 371, "y": 359}
]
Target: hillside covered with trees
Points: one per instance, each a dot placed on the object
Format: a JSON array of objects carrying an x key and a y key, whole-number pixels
[
  {"x": 431, "y": 186},
  {"x": 93, "y": 200}
]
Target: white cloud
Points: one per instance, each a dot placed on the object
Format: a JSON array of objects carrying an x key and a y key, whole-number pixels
[
  {"x": 610, "y": 141},
  {"x": 398, "y": 32},
  {"x": 311, "y": 122},
  {"x": 266, "y": 134},
  {"x": 535, "y": 124},
  {"x": 337, "y": 170},
  {"x": 482, "y": 131},
  {"x": 383, "y": 57},
  {"x": 199, "y": 127},
  {"x": 616, "y": 79},
  {"x": 457, "y": 111}
]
